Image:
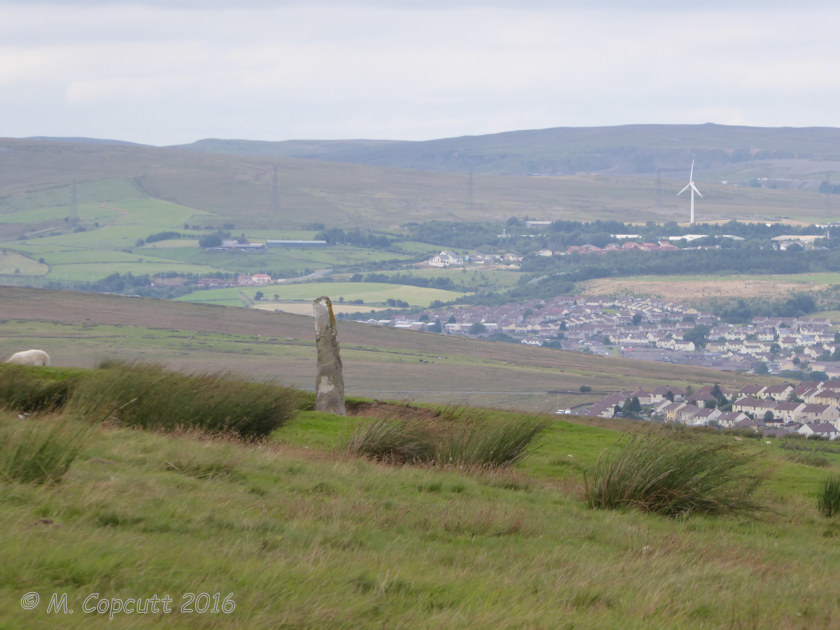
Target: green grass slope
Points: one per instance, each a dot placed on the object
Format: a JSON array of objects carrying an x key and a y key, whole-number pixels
[{"x": 295, "y": 533}]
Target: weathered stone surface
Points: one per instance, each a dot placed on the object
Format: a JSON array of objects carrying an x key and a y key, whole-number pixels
[{"x": 329, "y": 383}]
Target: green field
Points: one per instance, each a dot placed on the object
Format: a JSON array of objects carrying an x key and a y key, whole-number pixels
[
  {"x": 286, "y": 261},
  {"x": 699, "y": 289},
  {"x": 31, "y": 194},
  {"x": 373, "y": 294},
  {"x": 101, "y": 242},
  {"x": 12, "y": 263},
  {"x": 295, "y": 532}
]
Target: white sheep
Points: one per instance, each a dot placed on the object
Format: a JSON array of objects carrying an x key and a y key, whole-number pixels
[{"x": 30, "y": 357}]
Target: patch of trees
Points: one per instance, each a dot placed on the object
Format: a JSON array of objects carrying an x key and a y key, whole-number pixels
[
  {"x": 745, "y": 260},
  {"x": 354, "y": 238},
  {"x": 455, "y": 234},
  {"x": 828, "y": 187},
  {"x": 477, "y": 328},
  {"x": 213, "y": 240},
  {"x": 554, "y": 342},
  {"x": 559, "y": 235},
  {"x": 140, "y": 285},
  {"x": 162, "y": 236},
  {"x": 632, "y": 407},
  {"x": 699, "y": 335},
  {"x": 119, "y": 283},
  {"x": 802, "y": 375},
  {"x": 740, "y": 310},
  {"x": 830, "y": 356}
]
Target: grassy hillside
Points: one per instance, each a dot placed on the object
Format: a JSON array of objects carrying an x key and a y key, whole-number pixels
[
  {"x": 81, "y": 329},
  {"x": 79, "y": 211},
  {"x": 297, "y": 533},
  {"x": 283, "y": 193},
  {"x": 371, "y": 294},
  {"x": 628, "y": 149},
  {"x": 696, "y": 289}
]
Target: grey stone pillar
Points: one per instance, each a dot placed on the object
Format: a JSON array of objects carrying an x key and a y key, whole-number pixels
[{"x": 329, "y": 385}]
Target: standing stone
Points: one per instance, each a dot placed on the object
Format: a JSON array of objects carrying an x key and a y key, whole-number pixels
[{"x": 329, "y": 385}]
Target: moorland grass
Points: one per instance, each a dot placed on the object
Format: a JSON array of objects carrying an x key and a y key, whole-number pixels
[
  {"x": 468, "y": 442},
  {"x": 809, "y": 459},
  {"x": 828, "y": 497},
  {"x": 496, "y": 442},
  {"x": 30, "y": 389},
  {"x": 675, "y": 475},
  {"x": 394, "y": 441},
  {"x": 150, "y": 397},
  {"x": 40, "y": 450},
  {"x": 305, "y": 538}
]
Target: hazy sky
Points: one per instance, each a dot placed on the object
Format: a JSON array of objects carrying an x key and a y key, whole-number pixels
[{"x": 174, "y": 71}]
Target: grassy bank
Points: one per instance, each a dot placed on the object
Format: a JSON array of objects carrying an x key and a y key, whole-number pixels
[{"x": 296, "y": 532}]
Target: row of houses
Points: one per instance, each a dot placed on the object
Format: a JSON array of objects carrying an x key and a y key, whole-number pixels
[
  {"x": 660, "y": 246},
  {"x": 653, "y": 329},
  {"x": 256, "y": 279},
  {"x": 809, "y": 408},
  {"x": 451, "y": 259}
]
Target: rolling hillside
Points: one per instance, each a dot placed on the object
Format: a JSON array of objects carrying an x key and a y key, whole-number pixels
[
  {"x": 604, "y": 173},
  {"x": 80, "y": 329},
  {"x": 77, "y": 211},
  {"x": 622, "y": 150}
]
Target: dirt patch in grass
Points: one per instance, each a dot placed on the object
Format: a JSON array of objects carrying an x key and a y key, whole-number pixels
[{"x": 378, "y": 409}]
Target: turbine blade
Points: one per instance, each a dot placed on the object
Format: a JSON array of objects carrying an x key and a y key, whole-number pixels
[
  {"x": 691, "y": 176},
  {"x": 687, "y": 186},
  {"x": 695, "y": 188}
]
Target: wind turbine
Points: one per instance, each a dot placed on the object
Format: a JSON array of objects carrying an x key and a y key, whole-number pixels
[{"x": 690, "y": 185}]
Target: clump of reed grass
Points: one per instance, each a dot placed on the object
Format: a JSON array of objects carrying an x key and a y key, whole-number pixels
[
  {"x": 393, "y": 441},
  {"x": 40, "y": 451},
  {"x": 27, "y": 389},
  {"x": 491, "y": 443},
  {"x": 150, "y": 397},
  {"x": 675, "y": 476},
  {"x": 828, "y": 498},
  {"x": 472, "y": 442}
]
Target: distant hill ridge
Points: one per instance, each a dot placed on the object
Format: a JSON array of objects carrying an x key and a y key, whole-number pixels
[
  {"x": 620, "y": 150},
  {"x": 631, "y": 173}
]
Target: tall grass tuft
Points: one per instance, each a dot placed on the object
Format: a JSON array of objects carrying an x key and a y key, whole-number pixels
[
  {"x": 491, "y": 443},
  {"x": 470, "y": 442},
  {"x": 40, "y": 451},
  {"x": 147, "y": 396},
  {"x": 828, "y": 498},
  {"x": 27, "y": 389},
  {"x": 675, "y": 476},
  {"x": 393, "y": 441}
]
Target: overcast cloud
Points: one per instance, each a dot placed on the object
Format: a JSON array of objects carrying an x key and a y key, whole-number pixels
[{"x": 174, "y": 71}]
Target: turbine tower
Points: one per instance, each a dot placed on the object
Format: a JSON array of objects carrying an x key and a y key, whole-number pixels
[{"x": 690, "y": 185}]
